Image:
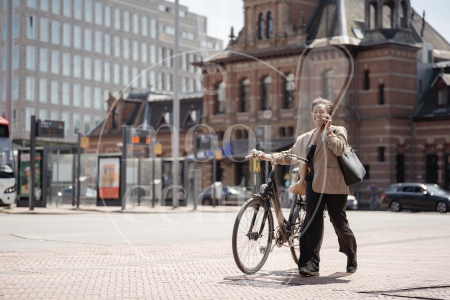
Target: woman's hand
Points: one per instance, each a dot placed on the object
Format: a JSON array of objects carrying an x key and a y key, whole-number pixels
[
  {"x": 327, "y": 120},
  {"x": 256, "y": 153}
]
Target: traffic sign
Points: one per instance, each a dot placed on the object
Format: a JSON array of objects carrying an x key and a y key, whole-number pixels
[
  {"x": 84, "y": 142},
  {"x": 140, "y": 137}
]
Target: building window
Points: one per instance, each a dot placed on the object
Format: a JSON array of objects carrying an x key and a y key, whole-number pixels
[
  {"x": 238, "y": 134},
  {"x": 44, "y": 30},
  {"x": 77, "y": 37},
  {"x": 43, "y": 90},
  {"x": 77, "y": 9},
  {"x": 87, "y": 124},
  {"x": 88, "y": 10},
  {"x": 65, "y": 117},
  {"x": 55, "y": 32},
  {"x": 245, "y": 95},
  {"x": 153, "y": 29},
  {"x": 98, "y": 13},
  {"x": 260, "y": 26},
  {"x": 134, "y": 77},
  {"x": 44, "y": 5},
  {"x": 76, "y": 95},
  {"x": 126, "y": 21},
  {"x": 107, "y": 16},
  {"x": 106, "y": 71},
  {"x": 282, "y": 131},
  {"x": 55, "y": 92},
  {"x": 135, "y": 50},
  {"x": 66, "y": 64},
  {"x": 66, "y": 93},
  {"x": 269, "y": 26},
  {"x": 76, "y": 66},
  {"x": 76, "y": 123},
  {"x": 98, "y": 42},
  {"x": 328, "y": 85},
  {"x": 432, "y": 168},
  {"x": 400, "y": 166},
  {"x": 443, "y": 97},
  {"x": 117, "y": 46},
  {"x": 87, "y": 96},
  {"x": 115, "y": 119},
  {"x": 56, "y": 8},
  {"x": 30, "y": 89},
  {"x": 381, "y": 157},
  {"x": 144, "y": 53},
  {"x": 31, "y": 27},
  {"x": 87, "y": 39},
  {"x": 116, "y": 74},
  {"x": 126, "y": 75},
  {"x": 67, "y": 8},
  {"x": 87, "y": 68},
  {"x": 97, "y": 98},
  {"x": 144, "y": 80},
  {"x": 116, "y": 18},
  {"x": 107, "y": 44},
  {"x": 220, "y": 98},
  {"x": 289, "y": 91},
  {"x": 144, "y": 26},
  {"x": 43, "y": 60},
  {"x": 31, "y": 58},
  {"x": 15, "y": 62},
  {"x": 381, "y": 95},
  {"x": 66, "y": 35},
  {"x": 135, "y": 24},
  {"x": 98, "y": 70},
  {"x": 366, "y": 80},
  {"x": 265, "y": 92},
  {"x": 126, "y": 48},
  {"x": 30, "y": 3},
  {"x": 430, "y": 56},
  {"x": 29, "y": 111},
  {"x": 42, "y": 114},
  {"x": 55, "y": 62},
  {"x": 290, "y": 131}
]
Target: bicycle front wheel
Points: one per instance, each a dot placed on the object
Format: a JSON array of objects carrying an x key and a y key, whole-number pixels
[{"x": 250, "y": 247}]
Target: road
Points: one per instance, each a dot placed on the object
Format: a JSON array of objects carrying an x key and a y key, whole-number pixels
[{"x": 188, "y": 255}]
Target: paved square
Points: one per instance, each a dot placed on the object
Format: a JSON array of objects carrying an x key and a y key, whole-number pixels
[{"x": 188, "y": 256}]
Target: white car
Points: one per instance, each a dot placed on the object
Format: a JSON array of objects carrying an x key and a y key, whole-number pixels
[{"x": 352, "y": 203}]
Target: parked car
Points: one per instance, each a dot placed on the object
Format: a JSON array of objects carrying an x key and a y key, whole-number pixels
[
  {"x": 66, "y": 194},
  {"x": 352, "y": 203},
  {"x": 230, "y": 196},
  {"x": 415, "y": 196}
]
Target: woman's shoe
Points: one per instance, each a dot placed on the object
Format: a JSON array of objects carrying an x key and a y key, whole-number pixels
[
  {"x": 352, "y": 265},
  {"x": 308, "y": 270}
]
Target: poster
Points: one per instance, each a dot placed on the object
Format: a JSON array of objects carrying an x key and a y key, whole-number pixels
[
  {"x": 109, "y": 177},
  {"x": 25, "y": 175}
]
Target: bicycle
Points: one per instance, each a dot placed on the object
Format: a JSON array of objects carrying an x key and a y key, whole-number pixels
[{"x": 252, "y": 243}]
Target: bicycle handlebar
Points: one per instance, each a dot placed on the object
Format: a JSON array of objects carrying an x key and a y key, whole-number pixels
[{"x": 300, "y": 159}]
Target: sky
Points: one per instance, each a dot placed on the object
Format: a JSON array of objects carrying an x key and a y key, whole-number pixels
[{"x": 222, "y": 14}]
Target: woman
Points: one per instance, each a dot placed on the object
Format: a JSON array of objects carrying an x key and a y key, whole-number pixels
[{"x": 322, "y": 182}]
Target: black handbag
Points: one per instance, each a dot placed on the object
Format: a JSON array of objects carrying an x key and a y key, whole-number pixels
[{"x": 351, "y": 167}]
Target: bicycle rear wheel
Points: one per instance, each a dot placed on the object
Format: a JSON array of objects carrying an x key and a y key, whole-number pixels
[
  {"x": 251, "y": 249},
  {"x": 298, "y": 217}
]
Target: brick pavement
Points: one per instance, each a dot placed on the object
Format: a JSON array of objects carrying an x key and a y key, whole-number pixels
[{"x": 393, "y": 264}]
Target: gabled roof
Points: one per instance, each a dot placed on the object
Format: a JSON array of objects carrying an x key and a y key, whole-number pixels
[{"x": 444, "y": 77}]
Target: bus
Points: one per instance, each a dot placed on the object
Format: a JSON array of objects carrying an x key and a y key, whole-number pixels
[{"x": 8, "y": 189}]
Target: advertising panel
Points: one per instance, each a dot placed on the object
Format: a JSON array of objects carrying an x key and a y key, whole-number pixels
[
  {"x": 109, "y": 178},
  {"x": 25, "y": 175}
]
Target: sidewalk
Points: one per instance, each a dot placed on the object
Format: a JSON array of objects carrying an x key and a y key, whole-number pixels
[{"x": 68, "y": 209}]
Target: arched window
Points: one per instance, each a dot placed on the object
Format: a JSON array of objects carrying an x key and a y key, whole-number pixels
[
  {"x": 289, "y": 91},
  {"x": 245, "y": 95},
  {"x": 373, "y": 13},
  {"x": 265, "y": 93},
  {"x": 404, "y": 18},
  {"x": 366, "y": 80},
  {"x": 328, "y": 85},
  {"x": 261, "y": 26},
  {"x": 269, "y": 27},
  {"x": 220, "y": 98},
  {"x": 388, "y": 15}
]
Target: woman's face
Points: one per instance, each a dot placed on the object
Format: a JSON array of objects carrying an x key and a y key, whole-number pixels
[{"x": 319, "y": 111}]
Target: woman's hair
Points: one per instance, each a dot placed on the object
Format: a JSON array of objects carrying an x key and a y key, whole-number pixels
[{"x": 328, "y": 105}]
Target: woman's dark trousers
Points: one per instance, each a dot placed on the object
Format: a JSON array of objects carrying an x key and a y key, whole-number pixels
[{"x": 311, "y": 240}]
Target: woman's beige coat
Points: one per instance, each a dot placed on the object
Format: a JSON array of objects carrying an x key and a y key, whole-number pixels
[{"x": 328, "y": 178}]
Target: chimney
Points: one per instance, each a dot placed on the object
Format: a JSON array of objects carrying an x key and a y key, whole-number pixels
[{"x": 423, "y": 24}]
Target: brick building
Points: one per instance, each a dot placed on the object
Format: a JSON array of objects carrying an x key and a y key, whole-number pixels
[{"x": 396, "y": 106}]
